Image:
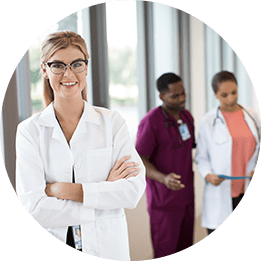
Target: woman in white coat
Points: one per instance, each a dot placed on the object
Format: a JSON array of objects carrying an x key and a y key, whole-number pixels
[
  {"x": 228, "y": 144},
  {"x": 76, "y": 166}
]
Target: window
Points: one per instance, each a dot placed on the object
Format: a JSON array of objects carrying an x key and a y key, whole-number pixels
[
  {"x": 166, "y": 42},
  {"x": 122, "y": 45},
  {"x": 213, "y": 63},
  {"x": 220, "y": 56}
]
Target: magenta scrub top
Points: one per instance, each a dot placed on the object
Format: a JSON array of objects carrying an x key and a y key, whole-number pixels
[{"x": 154, "y": 140}]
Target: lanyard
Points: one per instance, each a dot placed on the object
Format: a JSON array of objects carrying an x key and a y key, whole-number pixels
[
  {"x": 178, "y": 129},
  {"x": 75, "y": 230}
]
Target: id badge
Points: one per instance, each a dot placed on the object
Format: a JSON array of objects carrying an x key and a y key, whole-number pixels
[
  {"x": 184, "y": 132},
  {"x": 77, "y": 236}
]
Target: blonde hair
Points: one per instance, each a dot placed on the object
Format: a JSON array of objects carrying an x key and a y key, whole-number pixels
[{"x": 54, "y": 42}]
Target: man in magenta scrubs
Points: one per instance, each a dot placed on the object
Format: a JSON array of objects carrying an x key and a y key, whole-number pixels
[{"x": 165, "y": 140}]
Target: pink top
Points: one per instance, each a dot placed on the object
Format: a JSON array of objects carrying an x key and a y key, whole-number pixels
[{"x": 243, "y": 147}]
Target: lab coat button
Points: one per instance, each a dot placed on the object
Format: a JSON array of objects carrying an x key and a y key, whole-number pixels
[{"x": 76, "y": 166}]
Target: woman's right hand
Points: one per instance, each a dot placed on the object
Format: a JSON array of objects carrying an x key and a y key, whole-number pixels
[
  {"x": 123, "y": 169},
  {"x": 214, "y": 179}
]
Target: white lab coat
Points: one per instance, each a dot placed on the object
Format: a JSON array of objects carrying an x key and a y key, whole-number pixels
[
  {"x": 43, "y": 156},
  {"x": 214, "y": 151}
]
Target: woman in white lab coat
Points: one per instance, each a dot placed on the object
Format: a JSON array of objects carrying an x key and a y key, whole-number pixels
[
  {"x": 76, "y": 164},
  {"x": 228, "y": 144}
]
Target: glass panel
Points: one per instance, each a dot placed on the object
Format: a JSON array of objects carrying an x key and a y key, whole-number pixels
[
  {"x": 246, "y": 92},
  {"x": 122, "y": 45},
  {"x": 84, "y": 29},
  {"x": 68, "y": 23},
  {"x": 228, "y": 55},
  {"x": 213, "y": 63},
  {"x": 166, "y": 42},
  {"x": 220, "y": 56}
]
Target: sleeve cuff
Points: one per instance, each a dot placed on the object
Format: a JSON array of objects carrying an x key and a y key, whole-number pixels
[
  {"x": 86, "y": 214},
  {"x": 90, "y": 195}
]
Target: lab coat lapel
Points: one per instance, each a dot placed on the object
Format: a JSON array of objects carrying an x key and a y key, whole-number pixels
[
  {"x": 220, "y": 130},
  {"x": 58, "y": 134},
  {"x": 89, "y": 116},
  {"x": 48, "y": 119},
  {"x": 251, "y": 125}
]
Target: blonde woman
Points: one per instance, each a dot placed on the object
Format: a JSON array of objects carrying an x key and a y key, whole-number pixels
[{"x": 76, "y": 166}]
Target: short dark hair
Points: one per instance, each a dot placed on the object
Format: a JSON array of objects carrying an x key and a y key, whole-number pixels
[
  {"x": 165, "y": 79},
  {"x": 223, "y": 76}
]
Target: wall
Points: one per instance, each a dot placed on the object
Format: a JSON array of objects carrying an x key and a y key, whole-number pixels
[
  {"x": 198, "y": 102},
  {"x": 10, "y": 122}
]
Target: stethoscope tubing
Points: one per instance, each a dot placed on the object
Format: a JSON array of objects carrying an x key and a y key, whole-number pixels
[
  {"x": 175, "y": 126},
  {"x": 251, "y": 117}
]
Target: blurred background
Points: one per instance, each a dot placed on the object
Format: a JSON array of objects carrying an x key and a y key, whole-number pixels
[{"x": 130, "y": 45}]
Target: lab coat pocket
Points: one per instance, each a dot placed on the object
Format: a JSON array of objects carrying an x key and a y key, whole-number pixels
[
  {"x": 99, "y": 164},
  {"x": 220, "y": 137},
  {"x": 113, "y": 239}
]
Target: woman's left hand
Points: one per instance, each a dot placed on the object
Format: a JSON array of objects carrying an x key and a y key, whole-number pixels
[{"x": 251, "y": 174}]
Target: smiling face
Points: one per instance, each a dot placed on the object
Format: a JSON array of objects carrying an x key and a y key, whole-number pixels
[
  {"x": 227, "y": 95},
  {"x": 175, "y": 98},
  {"x": 69, "y": 84}
]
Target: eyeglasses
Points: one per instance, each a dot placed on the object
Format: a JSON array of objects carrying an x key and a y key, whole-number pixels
[{"x": 77, "y": 66}]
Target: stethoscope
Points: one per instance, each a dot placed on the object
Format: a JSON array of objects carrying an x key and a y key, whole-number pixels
[
  {"x": 251, "y": 117},
  {"x": 176, "y": 127}
]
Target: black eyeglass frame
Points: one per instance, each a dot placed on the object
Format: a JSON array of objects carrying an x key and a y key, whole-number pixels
[{"x": 49, "y": 64}]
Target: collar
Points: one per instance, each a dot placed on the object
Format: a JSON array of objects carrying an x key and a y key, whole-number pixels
[
  {"x": 47, "y": 117},
  {"x": 220, "y": 114},
  {"x": 166, "y": 114}
]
